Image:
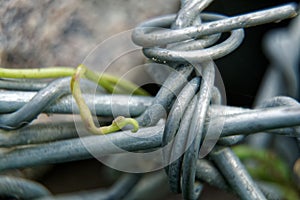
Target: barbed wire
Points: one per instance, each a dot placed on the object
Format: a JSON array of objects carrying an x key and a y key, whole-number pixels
[{"x": 188, "y": 42}]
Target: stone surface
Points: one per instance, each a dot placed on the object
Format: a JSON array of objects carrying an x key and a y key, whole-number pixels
[{"x": 47, "y": 33}]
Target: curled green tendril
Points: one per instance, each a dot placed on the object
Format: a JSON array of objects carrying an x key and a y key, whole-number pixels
[
  {"x": 109, "y": 82},
  {"x": 119, "y": 123},
  {"x": 86, "y": 114}
]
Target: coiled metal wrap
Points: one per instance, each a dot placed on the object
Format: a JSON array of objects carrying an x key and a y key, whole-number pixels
[
  {"x": 197, "y": 133},
  {"x": 191, "y": 41}
]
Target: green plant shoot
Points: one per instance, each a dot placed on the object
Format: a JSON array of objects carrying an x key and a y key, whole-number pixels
[
  {"x": 109, "y": 82},
  {"x": 86, "y": 114}
]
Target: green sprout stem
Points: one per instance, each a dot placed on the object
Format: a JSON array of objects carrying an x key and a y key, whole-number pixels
[
  {"x": 52, "y": 72},
  {"x": 86, "y": 114},
  {"x": 109, "y": 82}
]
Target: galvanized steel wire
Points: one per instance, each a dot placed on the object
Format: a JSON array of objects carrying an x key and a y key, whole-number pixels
[{"x": 188, "y": 42}]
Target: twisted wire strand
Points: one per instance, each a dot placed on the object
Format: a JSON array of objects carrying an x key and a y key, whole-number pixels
[
  {"x": 21, "y": 188},
  {"x": 119, "y": 190},
  {"x": 190, "y": 188},
  {"x": 40, "y": 102},
  {"x": 174, "y": 120},
  {"x": 152, "y": 38},
  {"x": 100, "y": 104},
  {"x": 213, "y": 177},
  {"x": 236, "y": 121},
  {"x": 32, "y": 109},
  {"x": 73, "y": 149},
  {"x": 144, "y": 37},
  {"x": 236, "y": 174},
  {"x": 197, "y": 52},
  {"x": 38, "y": 133},
  {"x": 188, "y": 102},
  {"x": 240, "y": 180},
  {"x": 165, "y": 97},
  {"x": 283, "y": 101},
  {"x": 284, "y": 116},
  {"x": 189, "y": 11},
  {"x": 238, "y": 116},
  {"x": 67, "y": 150},
  {"x": 23, "y": 85}
]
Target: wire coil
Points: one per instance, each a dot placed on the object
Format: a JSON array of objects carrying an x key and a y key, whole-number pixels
[
  {"x": 185, "y": 124},
  {"x": 188, "y": 42}
]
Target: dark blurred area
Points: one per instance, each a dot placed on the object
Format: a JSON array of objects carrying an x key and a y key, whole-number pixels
[{"x": 242, "y": 70}]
